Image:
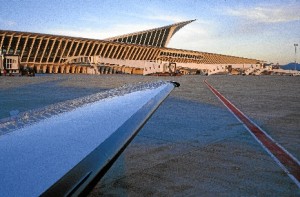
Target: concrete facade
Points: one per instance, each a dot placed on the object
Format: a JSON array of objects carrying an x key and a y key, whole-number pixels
[{"x": 59, "y": 54}]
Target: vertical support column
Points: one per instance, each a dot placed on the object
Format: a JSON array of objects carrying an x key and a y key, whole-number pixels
[
  {"x": 141, "y": 39},
  {"x": 77, "y": 69},
  {"x": 72, "y": 69},
  {"x": 101, "y": 49},
  {"x": 154, "y": 42},
  {"x": 155, "y": 54},
  {"x": 158, "y": 37},
  {"x": 138, "y": 51},
  {"x": 131, "y": 48},
  {"x": 131, "y": 39},
  {"x": 141, "y": 53},
  {"x": 136, "y": 36},
  {"x": 67, "y": 69},
  {"x": 37, "y": 68},
  {"x": 63, "y": 51},
  {"x": 17, "y": 44},
  {"x": 126, "y": 39},
  {"x": 30, "y": 50},
  {"x": 37, "y": 51},
  {"x": 55, "y": 69},
  {"x": 152, "y": 54},
  {"x": 124, "y": 52},
  {"x": 45, "y": 48},
  {"x": 9, "y": 44},
  {"x": 150, "y": 38},
  {"x": 104, "y": 54},
  {"x": 43, "y": 68},
  {"x": 58, "y": 47},
  {"x": 62, "y": 68},
  {"x": 50, "y": 68},
  {"x": 149, "y": 53},
  {"x": 53, "y": 43},
  {"x": 22, "y": 53},
  {"x": 96, "y": 50},
  {"x": 144, "y": 43},
  {"x": 162, "y": 39},
  {"x": 77, "y": 44},
  {"x": 121, "y": 48},
  {"x": 145, "y": 53},
  {"x": 94, "y": 44},
  {"x": 115, "y": 51},
  {"x": 132, "y": 53},
  {"x": 82, "y": 46},
  {"x": 86, "y": 50},
  {"x": 2, "y": 41},
  {"x": 69, "y": 51},
  {"x": 109, "y": 52}
]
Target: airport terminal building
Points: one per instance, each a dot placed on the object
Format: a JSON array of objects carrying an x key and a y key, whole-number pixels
[{"x": 143, "y": 52}]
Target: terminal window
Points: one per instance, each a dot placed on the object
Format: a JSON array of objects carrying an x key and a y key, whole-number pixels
[{"x": 8, "y": 63}]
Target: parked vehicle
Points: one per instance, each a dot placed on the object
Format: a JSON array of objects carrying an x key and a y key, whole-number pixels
[{"x": 27, "y": 71}]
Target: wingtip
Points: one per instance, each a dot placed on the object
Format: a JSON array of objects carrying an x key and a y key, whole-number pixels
[{"x": 176, "y": 84}]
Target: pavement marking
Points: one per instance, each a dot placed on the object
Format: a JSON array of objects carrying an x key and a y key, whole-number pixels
[{"x": 281, "y": 156}]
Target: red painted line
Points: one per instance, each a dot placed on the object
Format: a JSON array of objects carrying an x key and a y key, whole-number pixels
[{"x": 285, "y": 160}]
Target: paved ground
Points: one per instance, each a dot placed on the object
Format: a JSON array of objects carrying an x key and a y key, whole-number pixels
[{"x": 192, "y": 146}]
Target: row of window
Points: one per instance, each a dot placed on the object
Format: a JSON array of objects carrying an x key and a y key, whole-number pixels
[
  {"x": 38, "y": 47},
  {"x": 151, "y": 38},
  {"x": 181, "y": 55},
  {"x": 8, "y": 63},
  {"x": 44, "y": 50}
]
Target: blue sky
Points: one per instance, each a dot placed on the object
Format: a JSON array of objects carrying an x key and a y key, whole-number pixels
[{"x": 265, "y": 29}]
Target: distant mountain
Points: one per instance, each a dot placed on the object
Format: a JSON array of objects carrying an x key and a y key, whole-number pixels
[{"x": 291, "y": 66}]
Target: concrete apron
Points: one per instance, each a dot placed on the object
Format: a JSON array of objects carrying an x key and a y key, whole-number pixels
[{"x": 206, "y": 151}]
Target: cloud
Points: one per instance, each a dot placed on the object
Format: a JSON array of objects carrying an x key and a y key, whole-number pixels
[
  {"x": 90, "y": 18},
  {"x": 165, "y": 17},
  {"x": 149, "y": 22},
  {"x": 126, "y": 28},
  {"x": 104, "y": 28},
  {"x": 158, "y": 14},
  {"x": 8, "y": 23},
  {"x": 80, "y": 32},
  {"x": 96, "y": 33},
  {"x": 268, "y": 14},
  {"x": 194, "y": 36},
  {"x": 158, "y": 17}
]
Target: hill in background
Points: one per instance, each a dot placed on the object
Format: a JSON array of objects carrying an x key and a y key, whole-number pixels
[{"x": 291, "y": 66}]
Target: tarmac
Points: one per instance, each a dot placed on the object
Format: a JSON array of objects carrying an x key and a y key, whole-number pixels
[{"x": 192, "y": 145}]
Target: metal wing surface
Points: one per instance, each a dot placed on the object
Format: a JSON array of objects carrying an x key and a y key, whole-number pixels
[{"x": 64, "y": 149}]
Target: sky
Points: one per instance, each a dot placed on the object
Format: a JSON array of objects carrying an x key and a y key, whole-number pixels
[{"x": 261, "y": 29}]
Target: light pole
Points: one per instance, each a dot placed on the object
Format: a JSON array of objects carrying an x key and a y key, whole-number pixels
[
  {"x": 1, "y": 60},
  {"x": 295, "y": 45}
]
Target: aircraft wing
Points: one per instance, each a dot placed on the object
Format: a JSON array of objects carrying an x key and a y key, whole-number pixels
[{"x": 64, "y": 149}]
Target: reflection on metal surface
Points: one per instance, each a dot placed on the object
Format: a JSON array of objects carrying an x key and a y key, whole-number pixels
[{"x": 64, "y": 149}]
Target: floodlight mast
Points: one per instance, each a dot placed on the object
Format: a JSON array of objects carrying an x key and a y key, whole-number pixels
[{"x": 295, "y": 45}]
